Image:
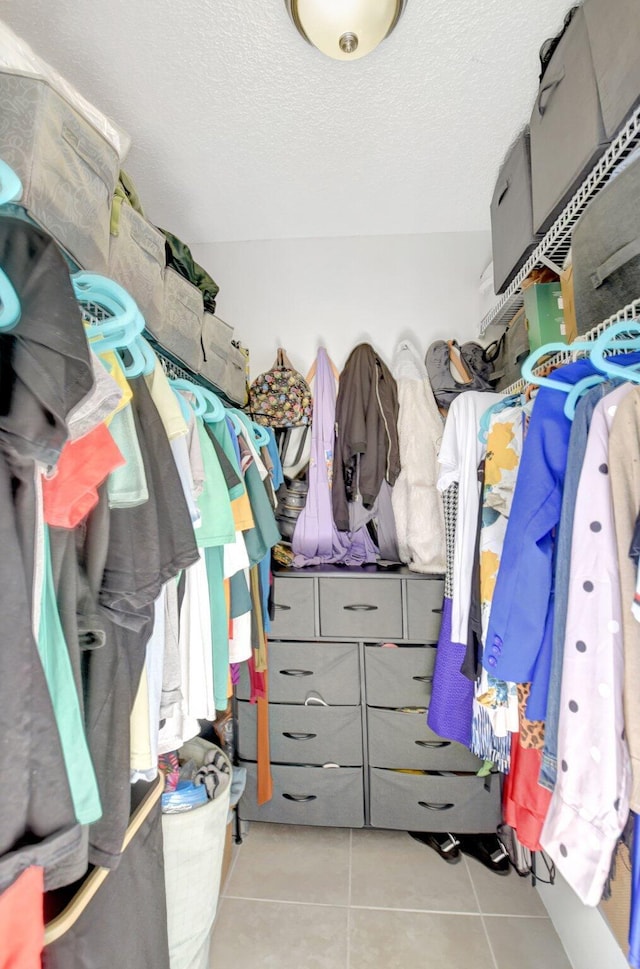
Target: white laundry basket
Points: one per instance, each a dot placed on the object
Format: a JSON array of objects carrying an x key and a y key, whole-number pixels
[{"x": 193, "y": 851}]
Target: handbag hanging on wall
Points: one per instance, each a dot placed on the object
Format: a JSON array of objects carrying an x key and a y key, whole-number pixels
[{"x": 281, "y": 398}]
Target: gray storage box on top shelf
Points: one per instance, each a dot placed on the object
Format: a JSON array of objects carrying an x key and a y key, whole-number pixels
[
  {"x": 236, "y": 385},
  {"x": 614, "y": 33},
  {"x": 606, "y": 249},
  {"x": 223, "y": 363},
  {"x": 512, "y": 235},
  {"x": 567, "y": 130},
  {"x": 136, "y": 261},
  {"x": 180, "y": 329},
  {"x": 68, "y": 170}
]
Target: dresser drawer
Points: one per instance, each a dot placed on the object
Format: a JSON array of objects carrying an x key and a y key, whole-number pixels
[
  {"x": 361, "y": 608},
  {"x": 294, "y": 610},
  {"x": 399, "y": 677},
  {"x": 307, "y": 795},
  {"x": 424, "y": 609},
  {"x": 427, "y": 802},
  {"x": 297, "y": 671},
  {"x": 404, "y": 740},
  {"x": 304, "y": 735}
]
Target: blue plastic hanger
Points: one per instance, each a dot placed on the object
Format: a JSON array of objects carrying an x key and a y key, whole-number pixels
[
  {"x": 578, "y": 390},
  {"x": 10, "y": 184},
  {"x": 607, "y": 342},
  {"x": 527, "y": 367}
]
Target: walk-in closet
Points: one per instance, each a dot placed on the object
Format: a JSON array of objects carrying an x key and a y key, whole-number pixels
[{"x": 320, "y": 484}]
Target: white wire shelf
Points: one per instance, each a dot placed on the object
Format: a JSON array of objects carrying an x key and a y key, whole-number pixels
[
  {"x": 630, "y": 312},
  {"x": 553, "y": 249}
]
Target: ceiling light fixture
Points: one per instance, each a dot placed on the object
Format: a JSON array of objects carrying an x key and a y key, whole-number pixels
[{"x": 345, "y": 29}]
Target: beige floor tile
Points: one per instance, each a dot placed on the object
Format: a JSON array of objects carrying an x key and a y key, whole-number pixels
[
  {"x": 285, "y": 862},
  {"x": 400, "y": 940},
  {"x": 277, "y": 935},
  {"x": 391, "y": 870},
  {"x": 525, "y": 943},
  {"x": 504, "y": 894}
]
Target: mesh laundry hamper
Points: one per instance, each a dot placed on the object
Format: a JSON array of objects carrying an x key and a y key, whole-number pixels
[{"x": 193, "y": 850}]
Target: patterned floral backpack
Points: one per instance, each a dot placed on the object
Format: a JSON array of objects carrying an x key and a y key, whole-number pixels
[{"x": 281, "y": 397}]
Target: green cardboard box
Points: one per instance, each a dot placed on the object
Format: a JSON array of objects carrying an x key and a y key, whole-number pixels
[{"x": 544, "y": 310}]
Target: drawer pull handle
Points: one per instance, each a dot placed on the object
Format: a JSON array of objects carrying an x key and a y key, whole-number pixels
[
  {"x": 438, "y": 611},
  {"x": 435, "y": 807},
  {"x": 423, "y": 679},
  {"x": 281, "y": 607},
  {"x": 299, "y": 736},
  {"x": 296, "y": 672},
  {"x": 300, "y": 798},
  {"x": 433, "y": 744},
  {"x": 361, "y": 607}
]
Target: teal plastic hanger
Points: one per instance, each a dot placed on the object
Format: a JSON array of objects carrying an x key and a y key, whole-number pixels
[
  {"x": 607, "y": 342},
  {"x": 138, "y": 362},
  {"x": 10, "y": 308},
  {"x": 200, "y": 405},
  {"x": 260, "y": 433},
  {"x": 10, "y": 184},
  {"x": 578, "y": 390},
  {"x": 527, "y": 367},
  {"x": 215, "y": 408},
  {"x": 185, "y": 408},
  {"x": 238, "y": 426},
  {"x": 93, "y": 288},
  {"x": 150, "y": 358}
]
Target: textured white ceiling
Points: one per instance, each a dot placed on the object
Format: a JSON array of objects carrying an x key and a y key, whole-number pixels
[{"x": 242, "y": 131}]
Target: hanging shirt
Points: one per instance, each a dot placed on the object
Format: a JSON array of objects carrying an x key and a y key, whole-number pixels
[
  {"x": 127, "y": 485},
  {"x": 98, "y": 406},
  {"x": 460, "y": 454},
  {"x": 590, "y": 802},
  {"x": 166, "y": 402},
  {"x": 217, "y": 526}
]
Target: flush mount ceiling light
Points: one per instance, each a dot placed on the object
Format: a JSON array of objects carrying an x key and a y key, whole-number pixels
[{"x": 345, "y": 29}]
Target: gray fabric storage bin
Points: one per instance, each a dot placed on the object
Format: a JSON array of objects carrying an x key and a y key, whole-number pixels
[
  {"x": 351, "y": 607},
  {"x": 512, "y": 235},
  {"x": 294, "y": 609},
  {"x": 216, "y": 343},
  {"x": 331, "y": 797},
  {"x": 404, "y": 740},
  {"x": 400, "y": 677},
  {"x": 68, "y": 170},
  {"x": 567, "y": 131},
  {"x": 424, "y": 609},
  {"x": 330, "y": 671},
  {"x": 180, "y": 329},
  {"x": 606, "y": 250},
  {"x": 411, "y": 802},
  {"x": 136, "y": 261},
  {"x": 304, "y": 735},
  {"x": 614, "y": 33},
  {"x": 236, "y": 379}
]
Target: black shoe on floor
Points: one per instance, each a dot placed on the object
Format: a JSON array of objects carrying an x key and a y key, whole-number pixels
[
  {"x": 487, "y": 849},
  {"x": 446, "y": 845}
]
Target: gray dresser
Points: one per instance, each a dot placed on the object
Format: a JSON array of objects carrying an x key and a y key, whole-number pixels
[{"x": 347, "y": 721}]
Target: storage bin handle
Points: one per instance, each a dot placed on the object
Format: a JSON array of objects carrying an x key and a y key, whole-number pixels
[
  {"x": 298, "y": 736},
  {"x": 423, "y": 679},
  {"x": 615, "y": 262},
  {"x": 296, "y": 672},
  {"x": 300, "y": 798},
  {"x": 433, "y": 744},
  {"x": 361, "y": 607},
  {"x": 439, "y": 611},
  {"x": 503, "y": 189},
  {"x": 548, "y": 89},
  {"x": 281, "y": 607},
  {"x": 430, "y": 806}
]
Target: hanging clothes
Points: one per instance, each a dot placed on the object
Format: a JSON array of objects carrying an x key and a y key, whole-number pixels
[{"x": 417, "y": 503}]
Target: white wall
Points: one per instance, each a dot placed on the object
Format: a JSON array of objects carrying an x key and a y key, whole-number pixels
[{"x": 300, "y": 293}]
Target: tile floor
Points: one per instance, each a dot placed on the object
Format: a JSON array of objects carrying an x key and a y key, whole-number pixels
[{"x": 331, "y": 898}]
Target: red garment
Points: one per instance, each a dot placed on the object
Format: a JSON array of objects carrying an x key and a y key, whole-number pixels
[
  {"x": 84, "y": 464},
  {"x": 22, "y": 922},
  {"x": 525, "y": 802}
]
